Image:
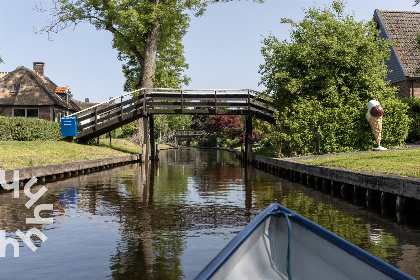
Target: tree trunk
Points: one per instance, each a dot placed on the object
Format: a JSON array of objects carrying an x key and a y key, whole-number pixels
[
  {"x": 148, "y": 69},
  {"x": 150, "y": 53}
]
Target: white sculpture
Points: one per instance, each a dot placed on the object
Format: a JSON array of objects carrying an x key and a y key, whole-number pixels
[{"x": 374, "y": 117}]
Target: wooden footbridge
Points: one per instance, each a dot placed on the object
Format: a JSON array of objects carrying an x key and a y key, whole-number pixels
[
  {"x": 181, "y": 134},
  {"x": 146, "y": 102}
]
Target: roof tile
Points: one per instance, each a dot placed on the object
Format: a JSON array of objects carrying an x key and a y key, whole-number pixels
[
  {"x": 403, "y": 28},
  {"x": 60, "y": 89}
]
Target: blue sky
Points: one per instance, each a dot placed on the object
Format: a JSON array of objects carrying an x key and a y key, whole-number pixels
[{"x": 222, "y": 47}]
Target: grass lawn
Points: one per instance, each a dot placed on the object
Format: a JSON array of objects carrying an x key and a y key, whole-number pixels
[
  {"x": 398, "y": 162},
  {"x": 14, "y": 154},
  {"x": 125, "y": 145}
]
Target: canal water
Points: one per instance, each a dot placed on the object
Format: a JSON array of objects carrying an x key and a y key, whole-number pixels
[{"x": 167, "y": 220}]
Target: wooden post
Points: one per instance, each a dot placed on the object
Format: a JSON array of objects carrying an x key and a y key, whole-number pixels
[
  {"x": 248, "y": 138},
  {"x": 182, "y": 102},
  {"x": 357, "y": 193},
  {"x": 215, "y": 102},
  {"x": 143, "y": 153},
  {"x": 109, "y": 138},
  {"x": 401, "y": 203},
  {"x": 122, "y": 112},
  {"x": 144, "y": 103},
  {"x": 370, "y": 197},
  {"x": 386, "y": 205},
  {"x": 242, "y": 153},
  {"x": 345, "y": 191},
  {"x": 146, "y": 137},
  {"x": 249, "y": 102},
  {"x": 152, "y": 137},
  {"x": 96, "y": 117},
  {"x": 326, "y": 185}
]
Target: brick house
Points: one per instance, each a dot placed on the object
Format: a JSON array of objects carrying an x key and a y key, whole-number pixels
[
  {"x": 402, "y": 28},
  {"x": 29, "y": 93}
]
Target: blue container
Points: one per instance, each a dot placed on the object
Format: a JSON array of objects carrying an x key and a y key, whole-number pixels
[{"x": 68, "y": 126}]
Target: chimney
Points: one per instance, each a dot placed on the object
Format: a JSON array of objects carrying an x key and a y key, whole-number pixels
[
  {"x": 86, "y": 100},
  {"x": 39, "y": 68}
]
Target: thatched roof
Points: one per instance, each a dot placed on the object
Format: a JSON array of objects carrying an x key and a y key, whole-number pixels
[
  {"x": 402, "y": 28},
  {"x": 24, "y": 87}
]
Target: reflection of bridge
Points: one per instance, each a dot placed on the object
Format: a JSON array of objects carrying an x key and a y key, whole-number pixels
[
  {"x": 182, "y": 134},
  {"x": 144, "y": 103}
]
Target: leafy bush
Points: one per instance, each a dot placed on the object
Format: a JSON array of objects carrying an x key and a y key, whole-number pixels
[
  {"x": 311, "y": 128},
  {"x": 414, "y": 115},
  {"x": 28, "y": 129},
  {"x": 231, "y": 143},
  {"x": 209, "y": 140},
  {"x": 225, "y": 127},
  {"x": 127, "y": 130}
]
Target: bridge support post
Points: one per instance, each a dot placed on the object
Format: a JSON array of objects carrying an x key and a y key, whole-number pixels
[
  {"x": 146, "y": 137},
  {"x": 152, "y": 137},
  {"x": 248, "y": 140}
]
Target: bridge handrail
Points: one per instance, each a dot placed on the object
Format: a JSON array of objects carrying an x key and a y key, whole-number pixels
[
  {"x": 106, "y": 102},
  {"x": 159, "y": 89},
  {"x": 120, "y": 110}
]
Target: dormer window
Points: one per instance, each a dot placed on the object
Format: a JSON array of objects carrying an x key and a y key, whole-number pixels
[{"x": 15, "y": 88}]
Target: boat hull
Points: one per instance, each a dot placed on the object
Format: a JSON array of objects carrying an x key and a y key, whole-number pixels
[{"x": 260, "y": 252}]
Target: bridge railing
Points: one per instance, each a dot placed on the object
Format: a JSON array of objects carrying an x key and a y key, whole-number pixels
[
  {"x": 123, "y": 109},
  {"x": 181, "y": 133},
  {"x": 208, "y": 101},
  {"x": 173, "y": 100}
]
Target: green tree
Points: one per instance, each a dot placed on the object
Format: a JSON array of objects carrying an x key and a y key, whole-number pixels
[
  {"x": 167, "y": 123},
  {"x": 323, "y": 77},
  {"x": 146, "y": 33}
]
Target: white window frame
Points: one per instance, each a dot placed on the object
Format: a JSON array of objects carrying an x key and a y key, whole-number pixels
[{"x": 26, "y": 112}]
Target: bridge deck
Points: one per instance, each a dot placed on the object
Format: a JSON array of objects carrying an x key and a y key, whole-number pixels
[{"x": 182, "y": 133}]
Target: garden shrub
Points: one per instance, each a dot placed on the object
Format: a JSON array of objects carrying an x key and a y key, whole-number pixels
[
  {"x": 28, "y": 129},
  {"x": 414, "y": 115}
]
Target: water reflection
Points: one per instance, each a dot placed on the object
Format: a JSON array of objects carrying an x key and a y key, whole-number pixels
[{"x": 167, "y": 220}]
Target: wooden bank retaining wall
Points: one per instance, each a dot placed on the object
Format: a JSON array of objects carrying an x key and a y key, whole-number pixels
[
  {"x": 393, "y": 193},
  {"x": 61, "y": 170}
]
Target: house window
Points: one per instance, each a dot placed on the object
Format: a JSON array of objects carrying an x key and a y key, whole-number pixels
[
  {"x": 19, "y": 112},
  {"x": 26, "y": 112},
  {"x": 57, "y": 115},
  {"x": 32, "y": 113}
]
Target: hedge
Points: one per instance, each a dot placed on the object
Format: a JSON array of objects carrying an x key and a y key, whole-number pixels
[
  {"x": 414, "y": 115},
  {"x": 28, "y": 129}
]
